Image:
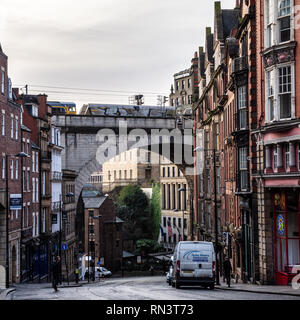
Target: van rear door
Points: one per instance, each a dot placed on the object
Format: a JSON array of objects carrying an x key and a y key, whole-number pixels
[{"x": 196, "y": 261}]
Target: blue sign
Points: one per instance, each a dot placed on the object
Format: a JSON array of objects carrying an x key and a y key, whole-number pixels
[
  {"x": 280, "y": 225},
  {"x": 15, "y": 202},
  {"x": 64, "y": 246}
]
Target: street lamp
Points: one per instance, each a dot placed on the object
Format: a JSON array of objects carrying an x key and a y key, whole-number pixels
[
  {"x": 216, "y": 211},
  {"x": 19, "y": 155}
]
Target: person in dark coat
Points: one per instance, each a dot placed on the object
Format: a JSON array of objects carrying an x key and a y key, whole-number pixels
[
  {"x": 56, "y": 273},
  {"x": 151, "y": 270},
  {"x": 227, "y": 271}
]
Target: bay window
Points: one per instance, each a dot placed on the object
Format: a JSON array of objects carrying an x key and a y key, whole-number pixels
[
  {"x": 287, "y": 156},
  {"x": 270, "y": 95},
  {"x": 284, "y": 20},
  {"x": 285, "y": 91},
  {"x": 242, "y": 107},
  {"x": 243, "y": 165},
  {"x": 275, "y": 157}
]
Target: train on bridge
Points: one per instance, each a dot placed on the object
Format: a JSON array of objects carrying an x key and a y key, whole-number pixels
[{"x": 113, "y": 110}]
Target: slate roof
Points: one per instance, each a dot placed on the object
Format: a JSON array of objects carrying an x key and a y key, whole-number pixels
[{"x": 93, "y": 203}]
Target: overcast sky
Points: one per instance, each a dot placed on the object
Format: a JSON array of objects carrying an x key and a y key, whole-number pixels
[{"x": 121, "y": 45}]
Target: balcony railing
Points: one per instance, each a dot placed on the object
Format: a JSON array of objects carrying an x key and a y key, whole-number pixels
[{"x": 240, "y": 64}]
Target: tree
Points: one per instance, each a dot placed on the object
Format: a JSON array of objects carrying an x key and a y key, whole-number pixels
[
  {"x": 133, "y": 207},
  {"x": 156, "y": 210}
]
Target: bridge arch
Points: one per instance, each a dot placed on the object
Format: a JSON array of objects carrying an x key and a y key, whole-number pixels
[{"x": 89, "y": 141}]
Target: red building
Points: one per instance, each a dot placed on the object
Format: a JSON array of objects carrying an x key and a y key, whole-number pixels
[
  {"x": 10, "y": 178},
  {"x": 37, "y": 227},
  {"x": 278, "y": 140}
]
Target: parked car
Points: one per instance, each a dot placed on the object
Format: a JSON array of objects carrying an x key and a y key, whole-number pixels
[
  {"x": 103, "y": 272},
  {"x": 194, "y": 264},
  {"x": 169, "y": 273}
]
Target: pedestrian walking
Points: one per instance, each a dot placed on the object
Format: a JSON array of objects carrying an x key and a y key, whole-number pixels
[
  {"x": 151, "y": 270},
  {"x": 56, "y": 273},
  {"x": 227, "y": 271},
  {"x": 76, "y": 274}
]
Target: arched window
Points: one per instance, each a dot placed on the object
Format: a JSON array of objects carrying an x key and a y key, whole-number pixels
[
  {"x": 284, "y": 11},
  {"x": 284, "y": 8}
]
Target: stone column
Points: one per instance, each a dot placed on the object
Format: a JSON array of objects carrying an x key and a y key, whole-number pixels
[
  {"x": 163, "y": 199},
  {"x": 172, "y": 196}
]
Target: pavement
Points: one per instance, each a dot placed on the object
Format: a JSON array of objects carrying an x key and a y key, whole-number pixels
[
  {"x": 255, "y": 288},
  {"x": 235, "y": 287}
]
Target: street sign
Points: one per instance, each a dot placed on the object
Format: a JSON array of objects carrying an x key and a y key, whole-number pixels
[
  {"x": 64, "y": 247},
  {"x": 102, "y": 262},
  {"x": 139, "y": 259},
  {"x": 15, "y": 202}
]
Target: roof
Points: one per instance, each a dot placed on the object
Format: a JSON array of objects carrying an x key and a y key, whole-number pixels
[
  {"x": 34, "y": 146},
  {"x": 118, "y": 220},
  {"x": 30, "y": 99},
  {"x": 25, "y": 128},
  {"x": 94, "y": 203},
  {"x": 184, "y": 72},
  {"x": 127, "y": 254}
]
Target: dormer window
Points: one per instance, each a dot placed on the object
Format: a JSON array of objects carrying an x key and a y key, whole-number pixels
[
  {"x": 32, "y": 109},
  {"x": 284, "y": 18}
]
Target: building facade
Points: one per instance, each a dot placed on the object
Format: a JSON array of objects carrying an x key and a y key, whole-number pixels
[
  {"x": 70, "y": 254},
  {"x": 10, "y": 186},
  {"x": 136, "y": 166},
  {"x": 103, "y": 233},
  {"x": 225, "y": 116},
  {"x": 277, "y": 138},
  {"x": 175, "y": 205}
]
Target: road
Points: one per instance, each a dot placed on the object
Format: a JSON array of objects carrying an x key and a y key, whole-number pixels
[{"x": 144, "y": 288}]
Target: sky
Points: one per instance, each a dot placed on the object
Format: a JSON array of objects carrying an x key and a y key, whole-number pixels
[{"x": 114, "y": 48}]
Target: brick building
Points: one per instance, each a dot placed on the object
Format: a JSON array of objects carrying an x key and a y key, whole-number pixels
[
  {"x": 225, "y": 116},
  {"x": 39, "y": 246},
  {"x": 277, "y": 138},
  {"x": 10, "y": 186},
  {"x": 96, "y": 221},
  {"x": 70, "y": 255}
]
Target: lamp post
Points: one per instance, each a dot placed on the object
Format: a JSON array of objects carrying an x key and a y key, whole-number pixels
[{"x": 216, "y": 211}]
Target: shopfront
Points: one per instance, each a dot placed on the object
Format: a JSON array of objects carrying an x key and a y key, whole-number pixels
[{"x": 286, "y": 224}]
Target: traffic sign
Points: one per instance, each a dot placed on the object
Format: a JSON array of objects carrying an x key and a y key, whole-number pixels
[{"x": 64, "y": 246}]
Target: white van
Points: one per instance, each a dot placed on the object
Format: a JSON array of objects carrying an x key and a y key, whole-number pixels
[{"x": 194, "y": 264}]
